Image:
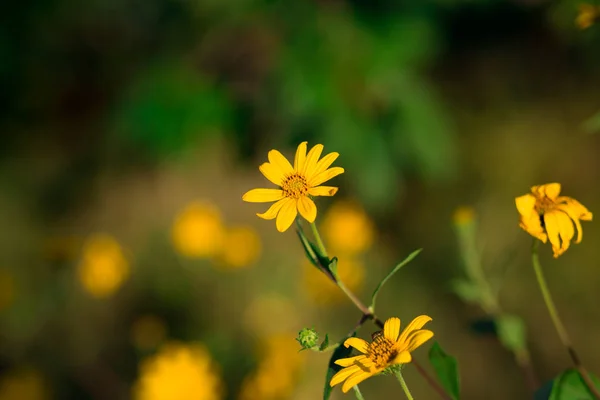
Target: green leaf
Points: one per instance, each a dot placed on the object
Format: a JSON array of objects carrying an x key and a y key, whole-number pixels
[
  {"x": 570, "y": 386},
  {"x": 340, "y": 352},
  {"x": 446, "y": 369},
  {"x": 466, "y": 290},
  {"x": 325, "y": 343},
  {"x": 390, "y": 274},
  {"x": 325, "y": 264},
  {"x": 511, "y": 332}
]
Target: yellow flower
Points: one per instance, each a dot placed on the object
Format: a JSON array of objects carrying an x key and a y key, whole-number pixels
[
  {"x": 323, "y": 291},
  {"x": 347, "y": 229},
  {"x": 198, "y": 231},
  {"x": 241, "y": 247},
  {"x": 388, "y": 348},
  {"x": 103, "y": 267},
  {"x": 546, "y": 215},
  {"x": 587, "y": 15},
  {"x": 23, "y": 385},
  {"x": 297, "y": 184},
  {"x": 178, "y": 372},
  {"x": 463, "y": 216}
]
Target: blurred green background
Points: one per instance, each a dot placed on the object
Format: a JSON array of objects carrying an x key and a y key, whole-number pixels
[{"x": 130, "y": 268}]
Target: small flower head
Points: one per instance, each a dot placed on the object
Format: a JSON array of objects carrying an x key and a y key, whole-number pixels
[
  {"x": 241, "y": 247},
  {"x": 197, "y": 231},
  {"x": 103, "y": 268},
  {"x": 547, "y": 216},
  {"x": 347, "y": 229},
  {"x": 387, "y": 349},
  {"x": 463, "y": 216},
  {"x": 307, "y": 338},
  {"x": 298, "y": 183},
  {"x": 588, "y": 14}
]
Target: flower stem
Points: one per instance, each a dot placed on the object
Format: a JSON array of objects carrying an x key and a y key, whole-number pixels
[
  {"x": 357, "y": 393},
  {"x": 317, "y": 236},
  {"x": 404, "y": 385},
  {"x": 558, "y": 324},
  {"x": 368, "y": 314}
]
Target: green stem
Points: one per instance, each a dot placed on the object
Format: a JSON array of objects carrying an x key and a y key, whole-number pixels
[
  {"x": 357, "y": 393},
  {"x": 558, "y": 324},
  {"x": 317, "y": 236},
  {"x": 404, "y": 385}
]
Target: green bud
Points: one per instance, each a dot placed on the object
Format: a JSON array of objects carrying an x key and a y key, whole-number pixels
[{"x": 308, "y": 338}]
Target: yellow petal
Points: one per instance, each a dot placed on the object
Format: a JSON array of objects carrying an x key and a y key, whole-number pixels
[
  {"x": 577, "y": 210},
  {"x": 403, "y": 357},
  {"x": 525, "y": 205},
  {"x": 311, "y": 160},
  {"x": 565, "y": 208},
  {"x": 325, "y": 176},
  {"x": 343, "y": 374},
  {"x": 566, "y": 229},
  {"x": 322, "y": 191},
  {"x": 391, "y": 329},
  {"x": 262, "y": 195},
  {"x": 280, "y": 162},
  {"x": 551, "y": 190},
  {"x": 272, "y": 173},
  {"x": 307, "y": 209},
  {"x": 272, "y": 212},
  {"x": 358, "y": 343},
  {"x": 300, "y": 157},
  {"x": 533, "y": 225},
  {"x": 325, "y": 162},
  {"x": 552, "y": 229},
  {"x": 417, "y": 338},
  {"x": 346, "y": 362},
  {"x": 355, "y": 379},
  {"x": 286, "y": 215},
  {"x": 414, "y": 325}
]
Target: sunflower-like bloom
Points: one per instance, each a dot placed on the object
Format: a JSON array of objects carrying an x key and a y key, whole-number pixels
[
  {"x": 297, "y": 184},
  {"x": 546, "y": 215},
  {"x": 387, "y": 349}
]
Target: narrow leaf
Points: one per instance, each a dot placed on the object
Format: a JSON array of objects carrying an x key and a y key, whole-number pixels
[
  {"x": 569, "y": 385},
  {"x": 446, "y": 369},
  {"x": 390, "y": 274},
  {"x": 314, "y": 255},
  {"x": 325, "y": 343},
  {"x": 511, "y": 332},
  {"x": 340, "y": 352}
]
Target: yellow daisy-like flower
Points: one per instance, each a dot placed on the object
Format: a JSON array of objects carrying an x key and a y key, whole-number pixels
[
  {"x": 297, "y": 183},
  {"x": 546, "y": 215},
  {"x": 388, "y": 348}
]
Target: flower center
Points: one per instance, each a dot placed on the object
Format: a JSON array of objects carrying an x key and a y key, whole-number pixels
[
  {"x": 382, "y": 351},
  {"x": 295, "y": 186},
  {"x": 543, "y": 205}
]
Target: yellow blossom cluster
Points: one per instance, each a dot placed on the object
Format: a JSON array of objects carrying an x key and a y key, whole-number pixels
[
  {"x": 199, "y": 232},
  {"x": 277, "y": 373},
  {"x": 179, "y": 372}
]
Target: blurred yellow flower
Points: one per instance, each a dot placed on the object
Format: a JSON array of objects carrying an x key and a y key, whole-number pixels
[
  {"x": 277, "y": 372},
  {"x": 463, "y": 215},
  {"x": 588, "y": 14},
  {"x": 298, "y": 184},
  {"x": 178, "y": 372},
  {"x": 198, "y": 231},
  {"x": 148, "y": 331},
  {"x": 388, "y": 348},
  {"x": 7, "y": 289},
  {"x": 23, "y": 385},
  {"x": 347, "y": 229},
  {"x": 103, "y": 267},
  {"x": 323, "y": 291},
  {"x": 241, "y": 247},
  {"x": 546, "y": 215}
]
